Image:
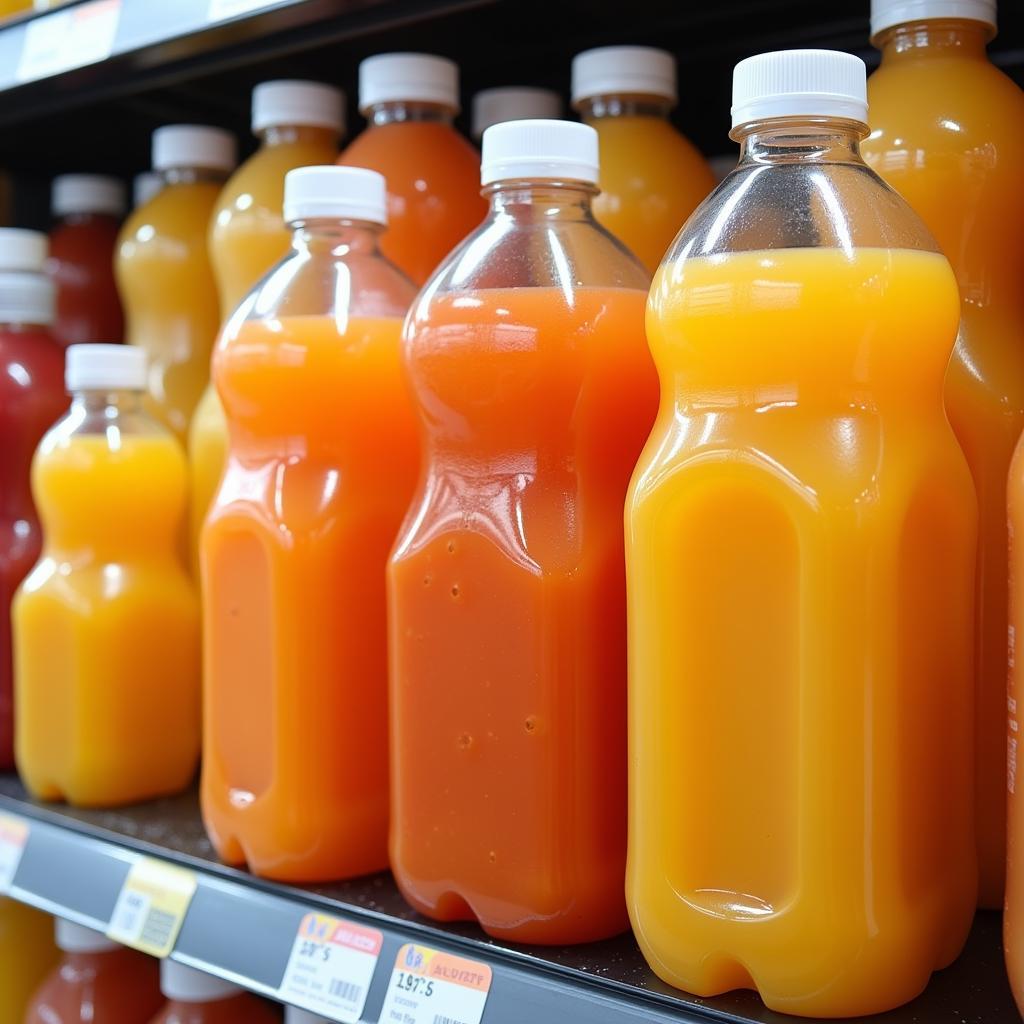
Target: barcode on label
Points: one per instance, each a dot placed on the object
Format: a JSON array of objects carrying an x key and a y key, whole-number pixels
[
  {"x": 441, "y": 1019},
  {"x": 346, "y": 990},
  {"x": 156, "y": 931}
]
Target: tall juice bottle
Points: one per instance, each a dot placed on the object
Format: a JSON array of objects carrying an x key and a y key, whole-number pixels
[
  {"x": 800, "y": 552},
  {"x": 409, "y": 100},
  {"x": 506, "y": 589},
  {"x": 299, "y": 124},
  {"x": 32, "y": 398},
  {"x": 164, "y": 273},
  {"x": 106, "y": 626},
  {"x": 513, "y": 103},
  {"x": 652, "y": 178},
  {"x": 948, "y": 135},
  {"x": 27, "y": 954},
  {"x": 322, "y": 462},
  {"x": 88, "y": 209},
  {"x": 194, "y": 997},
  {"x": 96, "y": 982}
]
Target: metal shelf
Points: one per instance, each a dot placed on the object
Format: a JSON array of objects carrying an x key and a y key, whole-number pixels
[{"x": 75, "y": 863}]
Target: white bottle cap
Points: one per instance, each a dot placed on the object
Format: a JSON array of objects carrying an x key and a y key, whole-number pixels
[
  {"x": 187, "y": 985},
  {"x": 413, "y": 77},
  {"x": 145, "y": 186},
  {"x": 341, "y": 193},
  {"x": 293, "y": 1015},
  {"x": 105, "y": 367},
  {"x": 886, "y": 13},
  {"x": 561, "y": 150},
  {"x": 87, "y": 193},
  {"x": 799, "y": 83},
  {"x": 193, "y": 145},
  {"x": 518, "y": 103},
  {"x": 22, "y": 250},
  {"x": 623, "y": 70},
  {"x": 297, "y": 103},
  {"x": 75, "y": 938}
]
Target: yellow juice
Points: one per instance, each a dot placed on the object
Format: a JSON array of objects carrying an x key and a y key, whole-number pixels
[{"x": 27, "y": 953}]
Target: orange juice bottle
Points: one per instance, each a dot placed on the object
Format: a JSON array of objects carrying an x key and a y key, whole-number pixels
[
  {"x": 322, "y": 461},
  {"x": 106, "y": 626},
  {"x": 298, "y": 124},
  {"x": 948, "y": 135},
  {"x": 507, "y": 585},
  {"x": 432, "y": 172},
  {"x": 164, "y": 274},
  {"x": 27, "y": 954},
  {"x": 513, "y": 103},
  {"x": 96, "y": 982},
  {"x": 194, "y": 997},
  {"x": 800, "y": 552},
  {"x": 652, "y": 178}
]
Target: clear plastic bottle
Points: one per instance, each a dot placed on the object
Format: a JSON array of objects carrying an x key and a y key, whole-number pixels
[
  {"x": 801, "y": 531},
  {"x": 322, "y": 461},
  {"x": 293, "y": 1015},
  {"x": 506, "y": 594},
  {"x": 195, "y": 997}
]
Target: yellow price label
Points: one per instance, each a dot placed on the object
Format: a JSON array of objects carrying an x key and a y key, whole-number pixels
[{"x": 151, "y": 907}]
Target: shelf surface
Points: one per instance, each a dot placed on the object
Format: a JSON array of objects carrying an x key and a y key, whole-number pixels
[{"x": 243, "y": 928}]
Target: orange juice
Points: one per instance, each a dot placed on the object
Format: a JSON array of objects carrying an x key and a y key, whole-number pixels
[
  {"x": 105, "y": 626},
  {"x": 433, "y": 173},
  {"x": 948, "y": 134},
  {"x": 27, "y": 953},
  {"x": 800, "y": 537},
  {"x": 164, "y": 274},
  {"x": 652, "y": 178}
]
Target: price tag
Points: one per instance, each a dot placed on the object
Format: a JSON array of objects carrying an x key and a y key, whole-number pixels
[
  {"x": 151, "y": 907},
  {"x": 431, "y": 987},
  {"x": 69, "y": 39},
  {"x": 13, "y": 837},
  {"x": 331, "y": 967},
  {"x": 222, "y": 9}
]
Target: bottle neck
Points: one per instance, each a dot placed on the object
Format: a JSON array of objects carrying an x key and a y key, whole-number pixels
[
  {"x": 336, "y": 238},
  {"x": 594, "y": 108},
  {"x": 942, "y": 38},
  {"x": 290, "y": 134},
  {"x": 804, "y": 140},
  {"x": 397, "y": 111},
  {"x": 109, "y": 403},
  {"x": 546, "y": 199},
  {"x": 193, "y": 176}
]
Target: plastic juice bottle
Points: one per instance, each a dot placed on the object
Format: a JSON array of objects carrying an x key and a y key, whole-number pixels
[
  {"x": 652, "y": 178},
  {"x": 27, "y": 954},
  {"x": 409, "y": 100},
  {"x": 299, "y": 123},
  {"x": 948, "y": 135},
  {"x": 507, "y": 584},
  {"x": 96, "y": 982},
  {"x": 195, "y": 997},
  {"x": 514, "y": 103},
  {"x": 322, "y": 462},
  {"x": 800, "y": 539},
  {"x": 32, "y": 398},
  {"x": 164, "y": 272},
  {"x": 106, "y": 626},
  {"x": 88, "y": 209}
]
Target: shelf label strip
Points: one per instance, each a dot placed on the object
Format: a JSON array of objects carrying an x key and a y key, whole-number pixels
[
  {"x": 13, "y": 837},
  {"x": 151, "y": 906},
  {"x": 429, "y": 986},
  {"x": 331, "y": 966},
  {"x": 220, "y": 10},
  {"x": 64, "y": 40}
]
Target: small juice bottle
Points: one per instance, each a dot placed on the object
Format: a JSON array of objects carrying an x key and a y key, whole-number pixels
[
  {"x": 106, "y": 626},
  {"x": 96, "y": 982},
  {"x": 322, "y": 461},
  {"x": 410, "y": 100},
  {"x": 513, "y": 103},
  {"x": 164, "y": 273},
  {"x": 88, "y": 209},
  {"x": 948, "y": 135},
  {"x": 800, "y": 548},
  {"x": 194, "y": 997},
  {"x": 32, "y": 399},
  {"x": 652, "y": 178},
  {"x": 298, "y": 123},
  {"x": 506, "y": 589},
  {"x": 27, "y": 954}
]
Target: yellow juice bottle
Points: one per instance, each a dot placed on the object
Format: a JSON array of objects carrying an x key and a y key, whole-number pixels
[
  {"x": 652, "y": 178},
  {"x": 164, "y": 273},
  {"x": 800, "y": 557},
  {"x": 27, "y": 953},
  {"x": 106, "y": 626}
]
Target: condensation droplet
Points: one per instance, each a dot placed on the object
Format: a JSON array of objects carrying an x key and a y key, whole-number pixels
[
  {"x": 531, "y": 723},
  {"x": 455, "y": 590},
  {"x": 464, "y": 742},
  {"x": 451, "y": 547}
]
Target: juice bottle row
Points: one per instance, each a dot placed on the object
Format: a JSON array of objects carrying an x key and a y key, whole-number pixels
[{"x": 434, "y": 531}]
